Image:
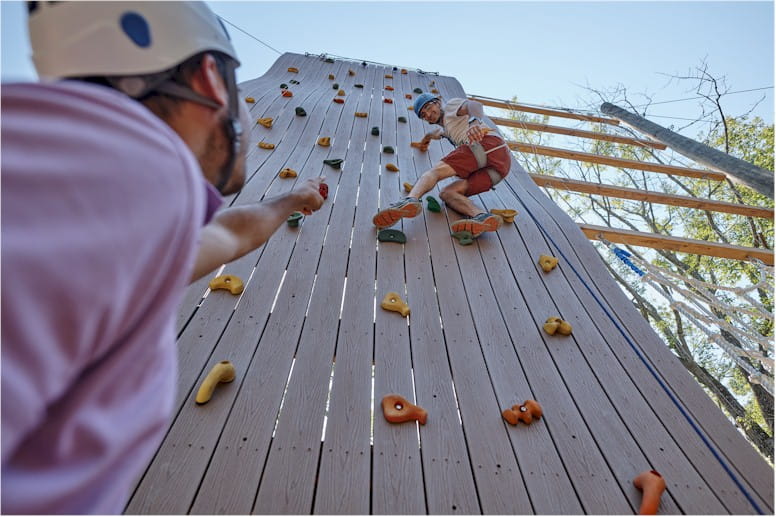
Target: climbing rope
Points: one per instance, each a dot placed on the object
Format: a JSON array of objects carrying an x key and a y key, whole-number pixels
[{"x": 640, "y": 355}]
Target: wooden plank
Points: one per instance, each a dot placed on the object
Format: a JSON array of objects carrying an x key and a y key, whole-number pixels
[
  {"x": 541, "y": 111},
  {"x": 345, "y": 472},
  {"x": 616, "y": 162},
  {"x": 653, "y": 240},
  {"x": 650, "y": 196},
  {"x": 397, "y": 477},
  {"x": 663, "y": 360},
  {"x": 560, "y": 130}
]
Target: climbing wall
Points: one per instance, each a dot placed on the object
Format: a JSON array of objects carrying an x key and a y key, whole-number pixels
[{"x": 300, "y": 430}]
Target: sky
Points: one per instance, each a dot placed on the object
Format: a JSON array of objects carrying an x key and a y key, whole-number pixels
[{"x": 543, "y": 53}]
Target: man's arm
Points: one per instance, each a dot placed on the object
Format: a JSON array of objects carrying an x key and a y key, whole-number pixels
[{"x": 235, "y": 231}]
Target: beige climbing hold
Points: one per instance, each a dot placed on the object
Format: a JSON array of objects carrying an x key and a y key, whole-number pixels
[
  {"x": 250, "y": 100},
  {"x": 388, "y": 76},
  {"x": 231, "y": 283},
  {"x": 362, "y": 114},
  {"x": 293, "y": 69},
  {"x": 341, "y": 93},
  {"x": 411, "y": 108},
  {"x": 391, "y": 167},
  {"x": 265, "y": 145},
  {"x": 434, "y": 90},
  {"x": 397, "y": 409},
  {"x": 331, "y": 77},
  {"x": 555, "y": 325},
  {"x": 221, "y": 372},
  {"x": 287, "y": 173},
  {"x": 324, "y": 141},
  {"x": 547, "y": 262},
  {"x": 393, "y": 302},
  {"x": 507, "y": 214},
  {"x": 408, "y": 187},
  {"x": 266, "y": 122}
]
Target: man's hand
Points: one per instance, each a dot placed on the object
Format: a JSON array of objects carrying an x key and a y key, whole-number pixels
[
  {"x": 308, "y": 195},
  {"x": 475, "y": 133}
]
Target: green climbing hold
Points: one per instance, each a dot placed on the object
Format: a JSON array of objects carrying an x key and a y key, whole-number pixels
[
  {"x": 389, "y": 235},
  {"x": 283, "y": 86},
  {"x": 293, "y": 81},
  {"x": 358, "y": 85},
  {"x": 403, "y": 119},
  {"x": 417, "y": 90},
  {"x": 294, "y": 219},
  {"x": 464, "y": 238},
  {"x": 337, "y": 163},
  {"x": 328, "y": 60},
  {"x": 335, "y": 86},
  {"x": 387, "y": 149},
  {"x": 375, "y": 130},
  {"x": 300, "y": 111},
  {"x": 433, "y": 204}
]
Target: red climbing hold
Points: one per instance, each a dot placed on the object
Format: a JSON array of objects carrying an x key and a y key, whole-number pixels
[{"x": 323, "y": 188}]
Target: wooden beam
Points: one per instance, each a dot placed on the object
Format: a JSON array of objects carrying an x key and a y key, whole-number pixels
[
  {"x": 541, "y": 111},
  {"x": 736, "y": 169},
  {"x": 576, "y": 132},
  {"x": 664, "y": 242},
  {"x": 653, "y": 197},
  {"x": 616, "y": 162}
]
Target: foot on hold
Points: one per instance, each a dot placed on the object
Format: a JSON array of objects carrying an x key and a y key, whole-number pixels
[
  {"x": 464, "y": 238},
  {"x": 483, "y": 222},
  {"x": 337, "y": 164},
  {"x": 294, "y": 219},
  {"x": 433, "y": 204},
  {"x": 393, "y": 302},
  {"x": 407, "y": 207},
  {"x": 391, "y": 236}
]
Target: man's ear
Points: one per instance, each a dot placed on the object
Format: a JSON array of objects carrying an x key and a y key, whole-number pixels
[{"x": 207, "y": 81}]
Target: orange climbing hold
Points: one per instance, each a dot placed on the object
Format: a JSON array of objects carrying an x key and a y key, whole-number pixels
[
  {"x": 408, "y": 96},
  {"x": 526, "y": 413},
  {"x": 393, "y": 302},
  {"x": 397, "y": 409},
  {"x": 324, "y": 141},
  {"x": 293, "y": 69},
  {"x": 408, "y": 187},
  {"x": 391, "y": 167},
  {"x": 404, "y": 71},
  {"x": 362, "y": 114},
  {"x": 389, "y": 88},
  {"x": 287, "y": 93},
  {"x": 388, "y": 76},
  {"x": 652, "y": 485}
]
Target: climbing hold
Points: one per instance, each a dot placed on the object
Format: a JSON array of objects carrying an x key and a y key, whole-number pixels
[
  {"x": 547, "y": 262},
  {"x": 389, "y": 88},
  {"x": 300, "y": 111},
  {"x": 293, "y": 81},
  {"x": 434, "y": 90},
  {"x": 294, "y": 219},
  {"x": 417, "y": 90},
  {"x": 266, "y": 122},
  {"x": 417, "y": 145},
  {"x": 363, "y": 63},
  {"x": 403, "y": 119},
  {"x": 328, "y": 60},
  {"x": 336, "y": 163},
  {"x": 432, "y": 83},
  {"x": 338, "y": 100},
  {"x": 265, "y": 145},
  {"x": 388, "y": 101},
  {"x": 387, "y": 149},
  {"x": 287, "y": 93},
  {"x": 388, "y": 76},
  {"x": 408, "y": 187},
  {"x": 331, "y": 77},
  {"x": 375, "y": 130},
  {"x": 389, "y": 235},
  {"x": 464, "y": 237},
  {"x": 293, "y": 69},
  {"x": 408, "y": 96},
  {"x": 324, "y": 141},
  {"x": 411, "y": 108},
  {"x": 397, "y": 409},
  {"x": 507, "y": 214},
  {"x": 221, "y": 372},
  {"x": 323, "y": 188},
  {"x": 393, "y": 302},
  {"x": 395, "y": 68},
  {"x": 362, "y": 114},
  {"x": 231, "y": 283},
  {"x": 404, "y": 71},
  {"x": 341, "y": 93},
  {"x": 433, "y": 204},
  {"x": 351, "y": 72},
  {"x": 335, "y": 86},
  {"x": 526, "y": 413},
  {"x": 391, "y": 167},
  {"x": 250, "y": 100},
  {"x": 358, "y": 85},
  {"x": 652, "y": 485},
  {"x": 283, "y": 86},
  {"x": 287, "y": 173},
  {"x": 555, "y": 325}
]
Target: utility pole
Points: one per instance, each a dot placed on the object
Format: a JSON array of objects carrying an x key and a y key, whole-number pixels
[{"x": 735, "y": 169}]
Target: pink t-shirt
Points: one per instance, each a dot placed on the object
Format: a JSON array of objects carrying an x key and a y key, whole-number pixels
[{"x": 102, "y": 204}]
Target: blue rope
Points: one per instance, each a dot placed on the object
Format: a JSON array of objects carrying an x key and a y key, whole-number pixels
[{"x": 623, "y": 255}]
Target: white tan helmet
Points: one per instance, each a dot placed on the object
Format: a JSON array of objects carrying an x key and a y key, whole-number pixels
[{"x": 82, "y": 39}]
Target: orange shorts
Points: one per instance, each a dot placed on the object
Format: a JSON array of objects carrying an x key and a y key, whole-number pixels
[{"x": 464, "y": 163}]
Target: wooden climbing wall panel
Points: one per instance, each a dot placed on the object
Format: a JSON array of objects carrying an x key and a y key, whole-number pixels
[{"x": 300, "y": 430}]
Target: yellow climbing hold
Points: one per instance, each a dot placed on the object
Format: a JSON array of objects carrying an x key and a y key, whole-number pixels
[
  {"x": 408, "y": 187},
  {"x": 547, "y": 262},
  {"x": 388, "y": 76},
  {"x": 287, "y": 173},
  {"x": 231, "y": 283},
  {"x": 324, "y": 141},
  {"x": 221, "y": 372},
  {"x": 266, "y": 122},
  {"x": 393, "y": 302},
  {"x": 331, "y": 77},
  {"x": 434, "y": 90},
  {"x": 362, "y": 114},
  {"x": 404, "y": 71},
  {"x": 265, "y": 145},
  {"x": 250, "y": 100},
  {"x": 507, "y": 214},
  {"x": 293, "y": 69},
  {"x": 341, "y": 93},
  {"x": 555, "y": 325},
  {"x": 391, "y": 167}
]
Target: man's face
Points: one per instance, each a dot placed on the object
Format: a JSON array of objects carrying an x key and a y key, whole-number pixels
[{"x": 432, "y": 112}]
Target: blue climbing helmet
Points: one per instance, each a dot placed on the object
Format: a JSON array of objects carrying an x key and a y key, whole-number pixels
[{"x": 422, "y": 100}]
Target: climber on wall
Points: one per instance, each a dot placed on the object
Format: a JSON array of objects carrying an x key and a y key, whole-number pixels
[
  {"x": 111, "y": 182},
  {"x": 480, "y": 161}
]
